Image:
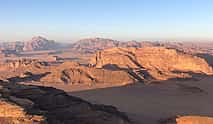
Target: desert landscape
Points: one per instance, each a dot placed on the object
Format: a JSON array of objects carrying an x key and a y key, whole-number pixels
[
  {"x": 150, "y": 83},
  {"x": 106, "y": 62}
]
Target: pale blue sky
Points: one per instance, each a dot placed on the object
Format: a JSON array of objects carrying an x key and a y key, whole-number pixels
[{"x": 68, "y": 20}]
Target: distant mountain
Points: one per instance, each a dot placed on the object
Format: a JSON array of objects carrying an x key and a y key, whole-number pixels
[
  {"x": 18, "y": 45},
  {"x": 92, "y": 45},
  {"x": 89, "y": 45},
  {"x": 35, "y": 44},
  {"x": 95, "y": 44},
  {"x": 39, "y": 43}
]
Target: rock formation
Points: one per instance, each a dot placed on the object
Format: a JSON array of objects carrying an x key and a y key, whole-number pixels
[
  {"x": 73, "y": 73},
  {"x": 23, "y": 70},
  {"x": 65, "y": 73},
  {"x": 115, "y": 66},
  {"x": 160, "y": 63},
  {"x": 22, "y": 64},
  {"x": 188, "y": 120},
  {"x": 11, "y": 113},
  {"x": 22, "y": 104}
]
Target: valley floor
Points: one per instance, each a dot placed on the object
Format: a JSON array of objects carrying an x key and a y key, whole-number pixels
[{"x": 147, "y": 104}]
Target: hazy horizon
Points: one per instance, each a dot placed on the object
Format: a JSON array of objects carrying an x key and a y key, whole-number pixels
[
  {"x": 122, "y": 40},
  {"x": 65, "y": 20}
]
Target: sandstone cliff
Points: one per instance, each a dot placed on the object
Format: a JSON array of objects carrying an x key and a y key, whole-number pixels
[
  {"x": 11, "y": 113},
  {"x": 65, "y": 73},
  {"x": 188, "y": 120},
  {"x": 159, "y": 63},
  {"x": 73, "y": 73}
]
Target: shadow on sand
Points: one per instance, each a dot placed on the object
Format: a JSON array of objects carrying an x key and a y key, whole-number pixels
[
  {"x": 58, "y": 107},
  {"x": 156, "y": 101}
]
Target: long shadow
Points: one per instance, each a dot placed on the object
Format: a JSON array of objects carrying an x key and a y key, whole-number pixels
[
  {"x": 207, "y": 57},
  {"x": 180, "y": 82},
  {"x": 194, "y": 76},
  {"x": 171, "y": 97},
  {"x": 60, "y": 108},
  {"x": 29, "y": 77},
  {"x": 140, "y": 74}
]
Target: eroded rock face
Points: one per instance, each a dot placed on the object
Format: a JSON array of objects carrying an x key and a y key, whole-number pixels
[
  {"x": 115, "y": 65},
  {"x": 22, "y": 64},
  {"x": 53, "y": 106},
  {"x": 73, "y": 73},
  {"x": 159, "y": 62},
  {"x": 65, "y": 73}
]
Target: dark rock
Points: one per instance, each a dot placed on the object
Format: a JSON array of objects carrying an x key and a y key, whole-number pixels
[{"x": 60, "y": 108}]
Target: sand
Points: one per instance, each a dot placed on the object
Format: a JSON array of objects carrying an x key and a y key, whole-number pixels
[{"x": 147, "y": 104}]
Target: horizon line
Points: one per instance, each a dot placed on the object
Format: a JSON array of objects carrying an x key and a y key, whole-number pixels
[{"x": 117, "y": 39}]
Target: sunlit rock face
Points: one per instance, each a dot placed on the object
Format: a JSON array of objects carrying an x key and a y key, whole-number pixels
[
  {"x": 22, "y": 64},
  {"x": 115, "y": 65},
  {"x": 11, "y": 113},
  {"x": 65, "y": 73},
  {"x": 121, "y": 57},
  {"x": 23, "y": 70},
  {"x": 194, "y": 120},
  {"x": 188, "y": 120},
  {"x": 73, "y": 73},
  {"x": 161, "y": 63}
]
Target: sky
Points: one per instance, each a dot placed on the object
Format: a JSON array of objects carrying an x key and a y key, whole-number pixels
[{"x": 69, "y": 20}]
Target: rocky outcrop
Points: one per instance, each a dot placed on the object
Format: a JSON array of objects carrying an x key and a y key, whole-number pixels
[
  {"x": 115, "y": 66},
  {"x": 22, "y": 64},
  {"x": 65, "y": 73},
  {"x": 73, "y": 73},
  {"x": 23, "y": 70},
  {"x": 41, "y": 105},
  {"x": 159, "y": 62},
  {"x": 11, "y": 113},
  {"x": 188, "y": 120}
]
